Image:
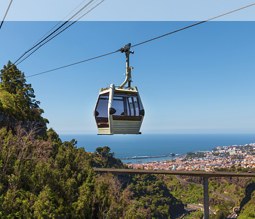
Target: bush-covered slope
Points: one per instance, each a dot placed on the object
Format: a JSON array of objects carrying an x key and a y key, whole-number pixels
[{"x": 43, "y": 177}]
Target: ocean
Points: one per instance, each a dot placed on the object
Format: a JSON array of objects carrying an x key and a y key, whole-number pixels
[{"x": 157, "y": 147}]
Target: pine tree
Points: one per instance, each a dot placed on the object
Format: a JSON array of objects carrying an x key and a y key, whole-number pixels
[
  {"x": 17, "y": 96},
  {"x": 13, "y": 81}
]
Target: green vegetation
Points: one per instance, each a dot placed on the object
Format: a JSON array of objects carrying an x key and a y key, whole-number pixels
[
  {"x": 248, "y": 210},
  {"x": 225, "y": 195},
  {"x": 104, "y": 158},
  {"x": 193, "y": 192},
  {"x": 40, "y": 177},
  {"x": 43, "y": 177},
  {"x": 17, "y": 102},
  {"x": 153, "y": 194},
  {"x": 54, "y": 179},
  {"x": 192, "y": 155},
  {"x": 195, "y": 214}
]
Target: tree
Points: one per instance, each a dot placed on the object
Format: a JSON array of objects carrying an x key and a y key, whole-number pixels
[
  {"x": 13, "y": 81},
  {"x": 103, "y": 157},
  {"x": 17, "y": 99}
]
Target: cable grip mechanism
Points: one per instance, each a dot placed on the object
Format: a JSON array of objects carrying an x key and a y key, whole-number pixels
[{"x": 128, "y": 79}]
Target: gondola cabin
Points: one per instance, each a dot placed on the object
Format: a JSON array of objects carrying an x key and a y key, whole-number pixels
[{"x": 119, "y": 110}]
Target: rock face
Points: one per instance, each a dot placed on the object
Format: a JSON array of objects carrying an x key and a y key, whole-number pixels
[{"x": 11, "y": 123}]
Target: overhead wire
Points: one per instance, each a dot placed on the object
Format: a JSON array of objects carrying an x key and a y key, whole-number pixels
[
  {"x": 72, "y": 64},
  {"x": 51, "y": 35},
  {"x": 57, "y": 24},
  {"x": 53, "y": 32},
  {"x": 5, "y": 14},
  {"x": 141, "y": 43},
  {"x": 192, "y": 25}
]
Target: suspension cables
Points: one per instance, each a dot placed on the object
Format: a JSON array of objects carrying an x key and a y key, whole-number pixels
[
  {"x": 6, "y": 12},
  {"x": 72, "y": 64},
  {"x": 146, "y": 41},
  {"x": 84, "y": 10},
  {"x": 193, "y": 25}
]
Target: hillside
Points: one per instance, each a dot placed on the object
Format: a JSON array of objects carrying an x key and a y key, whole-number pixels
[
  {"x": 225, "y": 195},
  {"x": 43, "y": 177}
]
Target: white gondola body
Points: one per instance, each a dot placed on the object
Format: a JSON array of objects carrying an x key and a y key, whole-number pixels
[{"x": 119, "y": 111}]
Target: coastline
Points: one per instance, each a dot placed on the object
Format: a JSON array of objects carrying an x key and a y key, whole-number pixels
[
  {"x": 148, "y": 159},
  {"x": 151, "y": 145},
  {"x": 221, "y": 157}
]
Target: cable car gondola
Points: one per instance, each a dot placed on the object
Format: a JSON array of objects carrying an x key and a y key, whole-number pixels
[{"x": 119, "y": 109}]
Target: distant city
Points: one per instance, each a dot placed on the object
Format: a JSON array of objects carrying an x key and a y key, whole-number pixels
[{"x": 221, "y": 157}]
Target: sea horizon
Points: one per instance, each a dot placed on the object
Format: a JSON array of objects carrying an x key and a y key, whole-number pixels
[{"x": 156, "y": 147}]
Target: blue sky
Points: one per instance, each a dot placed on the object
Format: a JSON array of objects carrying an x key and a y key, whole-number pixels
[
  {"x": 129, "y": 10},
  {"x": 197, "y": 81}
]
